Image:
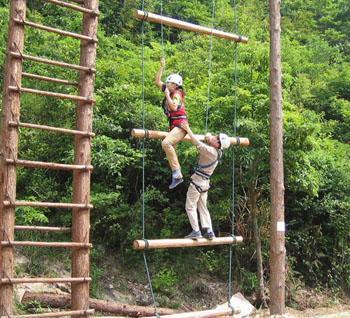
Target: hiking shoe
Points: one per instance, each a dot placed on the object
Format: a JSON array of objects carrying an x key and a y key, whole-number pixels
[
  {"x": 209, "y": 235},
  {"x": 175, "y": 182},
  {"x": 194, "y": 235}
]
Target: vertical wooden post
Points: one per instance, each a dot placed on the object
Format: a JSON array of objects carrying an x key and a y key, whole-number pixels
[
  {"x": 9, "y": 149},
  {"x": 277, "y": 240},
  {"x": 81, "y": 179}
]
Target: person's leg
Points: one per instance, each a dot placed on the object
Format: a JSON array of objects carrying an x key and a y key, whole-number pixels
[
  {"x": 205, "y": 216},
  {"x": 168, "y": 145},
  {"x": 191, "y": 208}
]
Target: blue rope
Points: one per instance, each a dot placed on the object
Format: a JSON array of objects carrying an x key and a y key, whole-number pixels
[
  {"x": 233, "y": 157},
  {"x": 143, "y": 157}
]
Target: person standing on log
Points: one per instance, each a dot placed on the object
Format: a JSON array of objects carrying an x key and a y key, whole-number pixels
[
  {"x": 174, "y": 108},
  {"x": 210, "y": 153}
]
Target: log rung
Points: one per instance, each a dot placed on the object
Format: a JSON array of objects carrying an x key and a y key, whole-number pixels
[
  {"x": 54, "y": 129},
  {"x": 58, "y": 31},
  {"x": 153, "y": 134},
  {"x": 151, "y": 17},
  {"x": 49, "y": 205},
  {"x": 46, "y": 244},
  {"x": 51, "y": 94},
  {"x": 73, "y": 7},
  {"x": 49, "y": 79},
  {"x": 170, "y": 243},
  {"x": 218, "y": 312},
  {"x": 42, "y": 228},
  {"x": 55, "y": 314},
  {"x": 52, "y": 62},
  {"x": 48, "y": 165},
  {"x": 44, "y": 280}
]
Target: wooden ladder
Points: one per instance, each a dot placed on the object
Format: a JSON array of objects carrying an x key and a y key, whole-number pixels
[{"x": 81, "y": 168}]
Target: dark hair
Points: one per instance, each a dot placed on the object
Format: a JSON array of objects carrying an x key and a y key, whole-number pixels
[{"x": 180, "y": 88}]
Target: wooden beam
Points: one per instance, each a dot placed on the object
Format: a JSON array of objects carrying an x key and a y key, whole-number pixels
[
  {"x": 47, "y": 244},
  {"x": 48, "y": 204},
  {"x": 74, "y": 7},
  {"x": 151, "y": 17},
  {"x": 170, "y": 243},
  {"x": 42, "y": 228},
  {"x": 48, "y": 165},
  {"x": 154, "y": 134},
  {"x": 37, "y": 280},
  {"x": 49, "y": 79},
  {"x": 55, "y": 314},
  {"x": 218, "y": 312}
]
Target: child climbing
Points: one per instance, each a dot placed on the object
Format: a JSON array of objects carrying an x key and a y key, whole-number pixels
[{"x": 174, "y": 108}]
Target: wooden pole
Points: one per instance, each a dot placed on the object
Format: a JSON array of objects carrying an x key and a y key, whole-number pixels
[
  {"x": 82, "y": 156},
  {"x": 153, "y": 134},
  {"x": 151, "y": 17},
  {"x": 42, "y": 228},
  {"x": 169, "y": 243},
  {"x": 9, "y": 149},
  {"x": 38, "y": 280},
  {"x": 47, "y": 165},
  {"x": 277, "y": 237},
  {"x": 47, "y": 244},
  {"x": 74, "y": 7},
  {"x": 55, "y": 314},
  {"x": 49, "y": 79}
]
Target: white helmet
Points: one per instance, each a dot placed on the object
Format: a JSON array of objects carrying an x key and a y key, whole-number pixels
[
  {"x": 224, "y": 141},
  {"x": 175, "y": 78}
]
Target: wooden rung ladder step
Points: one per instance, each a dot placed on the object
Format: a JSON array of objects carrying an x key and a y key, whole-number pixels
[
  {"x": 154, "y": 134},
  {"x": 47, "y": 165},
  {"x": 49, "y": 79},
  {"x": 55, "y": 314},
  {"x": 73, "y": 7},
  {"x": 37, "y": 280},
  {"x": 172, "y": 243},
  {"x": 53, "y": 129},
  {"x": 46, "y": 244},
  {"x": 42, "y": 228},
  {"x": 54, "y": 30},
  {"x": 151, "y": 17},
  {"x": 50, "y": 94},
  {"x": 49, "y": 204},
  {"x": 52, "y": 62}
]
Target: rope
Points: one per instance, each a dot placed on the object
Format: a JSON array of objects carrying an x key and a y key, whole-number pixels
[
  {"x": 162, "y": 32},
  {"x": 233, "y": 158},
  {"x": 143, "y": 157},
  {"x": 210, "y": 67}
]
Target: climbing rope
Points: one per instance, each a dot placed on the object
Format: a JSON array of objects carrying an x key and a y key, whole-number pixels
[
  {"x": 210, "y": 68},
  {"x": 143, "y": 157},
  {"x": 233, "y": 156}
]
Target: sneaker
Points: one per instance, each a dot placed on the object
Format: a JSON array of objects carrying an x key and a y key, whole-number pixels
[
  {"x": 209, "y": 234},
  {"x": 194, "y": 235},
  {"x": 175, "y": 182}
]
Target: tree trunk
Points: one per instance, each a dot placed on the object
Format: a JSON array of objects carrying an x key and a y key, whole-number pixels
[
  {"x": 64, "y": 300},
  {"x": 253, "y": 196}
]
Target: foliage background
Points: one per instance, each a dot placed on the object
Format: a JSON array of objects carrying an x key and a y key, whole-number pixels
[{"x": 316, "y": 83}]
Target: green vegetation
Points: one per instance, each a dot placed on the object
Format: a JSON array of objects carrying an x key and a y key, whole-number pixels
[{"x": 316, "y": 82}]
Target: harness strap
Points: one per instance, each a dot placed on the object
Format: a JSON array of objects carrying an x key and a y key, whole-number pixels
[
  {"x": 198, "y": 188},
  {"x": 178, "y": 117},
  {"x": 202, "y": 174}
]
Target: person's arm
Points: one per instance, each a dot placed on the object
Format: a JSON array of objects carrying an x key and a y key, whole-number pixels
[
  {"x": 158, "y": 79},
  {"x": 174, "y": 103},
  {"x": 185, "y": 126}
]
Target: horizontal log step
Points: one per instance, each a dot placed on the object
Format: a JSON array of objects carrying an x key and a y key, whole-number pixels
[
  {"x": 151, "y": 17},
  {"x": 46, "y": 244},
  {"x": 51, "y": 94},
  {"x": 55, "y": 314},
  {"x": 58, "y": 31},
  {"x": 42, "y": 228},
  {"x": 52, "y": 62},
  {"x": 218, "y": 312},
  {"x": 73, "y": 7},
  {"x": 49, "y": 205},
  {"x": 154, "y": 134},
  {"x": 170, "y": 243},
  {"x": 48, "y": 165},
  {"x": 49, "y": 79},
  {"x": 53, "y": 129},
  {"x": 26, "y": 280}
]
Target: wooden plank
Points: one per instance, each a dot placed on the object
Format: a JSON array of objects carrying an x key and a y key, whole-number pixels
[
  {"x": 53, "y": 129},
  {"x": 57, "y": 31},
  {"x": 154, "y": 134},
  {"x": 151, "y": 17},
  {"x": 51, "y": 62},
  {"x": 48, "y": 165},
  {"x": 171, "y": 243},
  {"x": 49, "y": 79}
]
